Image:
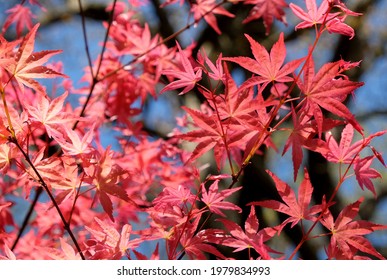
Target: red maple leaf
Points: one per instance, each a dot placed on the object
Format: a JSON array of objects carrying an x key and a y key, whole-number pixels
[
  {"x": 66, "y": 253},
  {"x": 313, "y": 15},
  {"x": 210, "y": 135},
  {"x": 347, "y": 235},
  {"x": 240, "y": 108},
  {"x": 21, "y": 15},
  {"x": 215, "y": 200},
  {"x": 297, "y": 208},
  {"x": 327, "y": 89},
  {"x": 345, "y": 151},
  {"x": 267, "y": 10},
  {"x": 78, "y": 145},
  {"x": 268, "y": 67},
  {"x": 187, "y": 76},
  {"x": 337, "y": 25},
  {"x": 108, "y": 243},
  {"x": 105, "y": 175},
  {"x": 334, "y": 22},
  {"x": 207, "y": 9},
  {"x": 50, "y": 114},
  {"x": 28, "y": 65},
  {"x": 302, "y": 135},
  {"x": 194, "y": 244},
  {"x": 301, "y": 132},
  {"x": 215, "y": 71},
  {"x": 364, "y": 173},
  {"x": 250, "y": 237},
  {"x": 49, "y": 170},
  {"x": 155, "y": 255},
  {"x": 9, "y": 255},
  {"x": 240, "y": 111}
]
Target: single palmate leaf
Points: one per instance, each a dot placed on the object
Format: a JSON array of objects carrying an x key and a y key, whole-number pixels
[
  {"x": 334, "y": 22},
  {"x": 297, "y": 208},
  {"x": 364, "y": 173},
  {"x": 108, "y": 242},
  {"x": 327, "y": 89},
  {"x": 195, "y": 244},
  {"x": 207, "y": 9},
  {"x": 21, "y": 15},
  {"x": 313, "y": 15},
  {"x": 50, "y": 114},
  {"x": 187, "y": 76},
  {"x": 210, "y": 135},
  {"x": 268, "y": 67},
  {"x": 345, "y": 152},
  {"x": 29, "y": 66},
  {"x": 267, "y": 10},
  {"x": 250, "y": 237},
  {"x": 347, "y": 234},
  {"x": 215, "y": 200}
]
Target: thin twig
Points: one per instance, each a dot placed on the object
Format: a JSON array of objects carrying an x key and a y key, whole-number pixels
[
  {"x": 45, "y": 187},
  {"x": 95, "y": 79},
  {"x": 84, "y": 33},
  {"x": 24, "y": 225}
]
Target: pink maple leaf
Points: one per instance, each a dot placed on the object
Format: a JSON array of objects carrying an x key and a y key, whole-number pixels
[
  {"x": 215, "y": 200},
  {"x": 21, "y": 16},
  {"x": 49, "y": 170},
  {"x": 334, "y": 22},
  {"x": 67, "y": 252},
  {"x": 337, "y": 25},
  {"x": 155, "y": 255},
  {"x": 267, "y": 10},
  {"x": 302, "y": 135},
  {"x": 347, "y": 234},
  {"x": 142, "y": 42},
  {"x": 327, "y": 89},
  {"x": 216, "y": 69},
  {"x": 9, "y": 255},
  {"x": 28, "y": 65},
  {"x": 210, "y": 135},
  {"x": 187, "y": 76},
  {"x": 179, "y": 196},
  {"x": 268, "y": 67},
  {"x": 251, "y": 237},
  {"x": 6, "y": 155},
  {"x": 7, "y": 51},
  {"x": 296, "y": 208},
  {"x": 207, "y": 9},
  {"x": 108, "y": 242},
  {"x": 50, "y": 114},
  {"x": 313, "y": 15},
  {"x": 71, "y": 181},
  {"x": 364, "y": 173},
  {"x": 196, "y": 244},
  {"x": 105, "y": 176},
  {"x": 345, "y": 151},
  {"x": 78, "y": 145}
]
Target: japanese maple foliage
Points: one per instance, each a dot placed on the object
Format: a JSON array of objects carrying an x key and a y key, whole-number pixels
[{"x": 94, "y": 197}]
